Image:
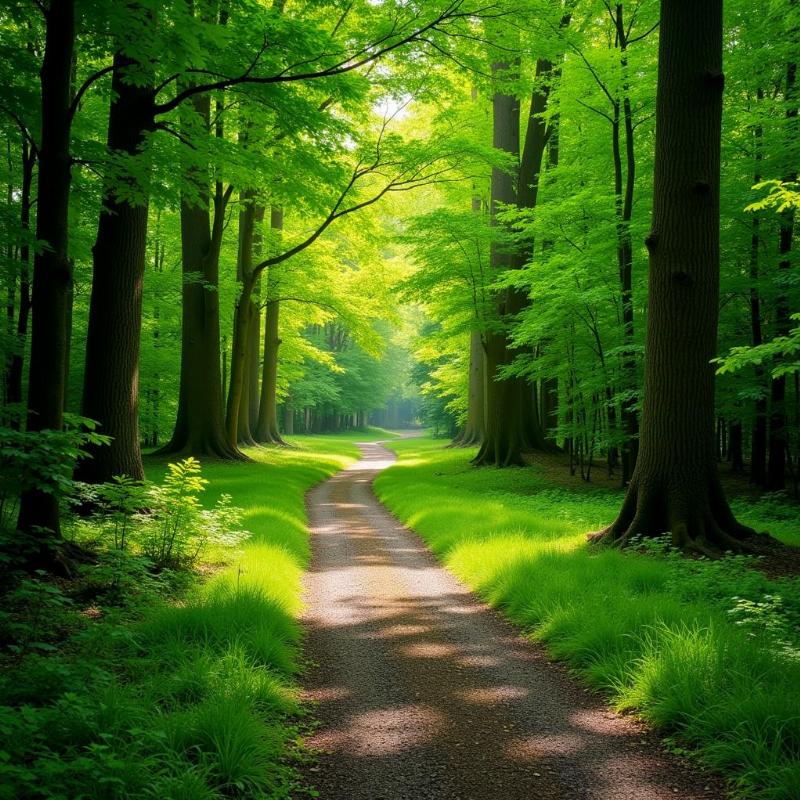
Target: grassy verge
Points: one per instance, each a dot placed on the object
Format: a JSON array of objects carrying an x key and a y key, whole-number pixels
[
  {"x": 707, "y": 651},
  {"x": 186, "y": 689}
]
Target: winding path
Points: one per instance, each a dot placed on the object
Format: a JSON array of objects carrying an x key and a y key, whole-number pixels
[{"x": 424, "y": 692}]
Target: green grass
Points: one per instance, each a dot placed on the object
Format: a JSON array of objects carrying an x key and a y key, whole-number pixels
[
  {"x": 194, "y": 698},
  {"x": 709, "y": 652}
]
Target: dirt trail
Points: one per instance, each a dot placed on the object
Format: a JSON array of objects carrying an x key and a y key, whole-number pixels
[{"x": 424, "y": 692}]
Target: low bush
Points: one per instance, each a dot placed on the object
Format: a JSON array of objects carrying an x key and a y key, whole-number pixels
[{"x": 166, "y": 668}]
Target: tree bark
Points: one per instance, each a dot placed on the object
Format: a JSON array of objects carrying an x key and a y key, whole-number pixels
[
  {"x": 267, "y": 430},
  {"x": 758, "y": 452},
  {"x": 247, "y": 232},
  {"x": 200, "y": 424},
  {"x": 624, "y": 194},
  {"x": 17, "y": 360},
  {"x": 508, "y": 422},
  {"x": 735, "y": 451},
  {"x": 675, "y": 486},
  {"x": 776, "y": 470},
  {"x": 475, "y": 425},
  {"x": 52, "y": 269},
  {"x": 111, "y": 373}
]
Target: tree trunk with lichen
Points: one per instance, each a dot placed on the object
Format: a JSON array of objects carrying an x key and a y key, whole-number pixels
[{"x": 675, "y": 486}]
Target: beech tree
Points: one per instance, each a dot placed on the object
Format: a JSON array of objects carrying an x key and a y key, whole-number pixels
[
  {"x": 52, "y": 269},
  {"x": 675, "y": 486}
]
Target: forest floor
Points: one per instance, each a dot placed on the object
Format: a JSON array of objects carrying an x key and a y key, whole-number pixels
[
  {"x": 706, "y": 652},
  {"x": 423, "y": 691},
  {"x": 127, "y": 683},
  {"x": 775, "y": 513}
]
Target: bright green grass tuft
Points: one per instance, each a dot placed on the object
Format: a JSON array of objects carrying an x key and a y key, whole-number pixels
[
  {"x": 194, "y": 699},
  {"x": 659, "y": 634}
]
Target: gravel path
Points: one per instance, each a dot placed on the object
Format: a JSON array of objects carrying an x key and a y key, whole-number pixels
[{"x": 424, "y": 692}]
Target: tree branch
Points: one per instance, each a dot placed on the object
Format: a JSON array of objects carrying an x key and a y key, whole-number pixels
[{"x": 73, "y": 107}]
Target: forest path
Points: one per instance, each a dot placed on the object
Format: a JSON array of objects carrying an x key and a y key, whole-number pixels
[{"x": 424, "y": 692}]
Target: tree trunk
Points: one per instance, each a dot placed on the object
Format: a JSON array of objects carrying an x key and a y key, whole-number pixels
[
  {"x": 288, "y": 418},
  {"x": 735, "y": 454},
  {"x": 52, "y": 269},
  {"x": 776, "y": 471},
  {"x": 675, "y": 485},
  {"x": 200, "y": 424},
  {"x": 475, "y": 425},
  {"x": 17, "y": 361},
  {"x": 506, "y": 421},
  {"x": 267, "y": 430},
  {"x": 758, "y": 453},
  {"x": 111, "y": 373},
  {"x": 247, "y": 231},
  {"x": 549, "y": 406},
  {"x": 624, "y": 195}
]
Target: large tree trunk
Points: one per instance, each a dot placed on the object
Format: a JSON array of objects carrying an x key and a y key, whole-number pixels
[
  {"x": 52, "y": 270},
  {"x": 200, "y": 424},
  {"x": 507, "y": 418},
  {"x": 475, "y": 424},
  {"x": 267, "y": 429},
  {"x": 675, "y": 486},
  {"x": 111, "y": 374}
]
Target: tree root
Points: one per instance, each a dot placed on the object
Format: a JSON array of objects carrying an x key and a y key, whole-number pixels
[{"x": 697, "y": 522}]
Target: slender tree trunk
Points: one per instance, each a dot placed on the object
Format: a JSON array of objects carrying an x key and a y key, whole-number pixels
[
  {"x": 624, "y": 193},
  {"x": 111, "y": 373},
  {"x": 474, "y": 429},
  {"x": 776, "y": 471},
  {"x": 288, "y": 418},
  {"x": 267, "y": 429},
  {"x": 237, "y": 386},
  {"x": 758, "y": 453},
  {"x": 17, "y": 361},
  {"x": 52, "y": 270},
  {"x": 735, "y": 451},
  {"x": 675, "y": 485},
  {"x": 247, "y": 225}
]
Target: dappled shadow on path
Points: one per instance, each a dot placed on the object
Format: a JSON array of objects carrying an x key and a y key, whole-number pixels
[{"x": 424, "y": 692}]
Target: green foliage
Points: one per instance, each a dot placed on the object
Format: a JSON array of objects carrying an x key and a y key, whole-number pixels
[
  {"x": 185, "y": 691},
  {"x": 43, "y": 460},
  {"x": 705, "y": 650}
]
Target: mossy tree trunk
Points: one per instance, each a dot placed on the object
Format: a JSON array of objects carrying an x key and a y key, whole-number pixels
[{"x": 675, "y": 486}]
